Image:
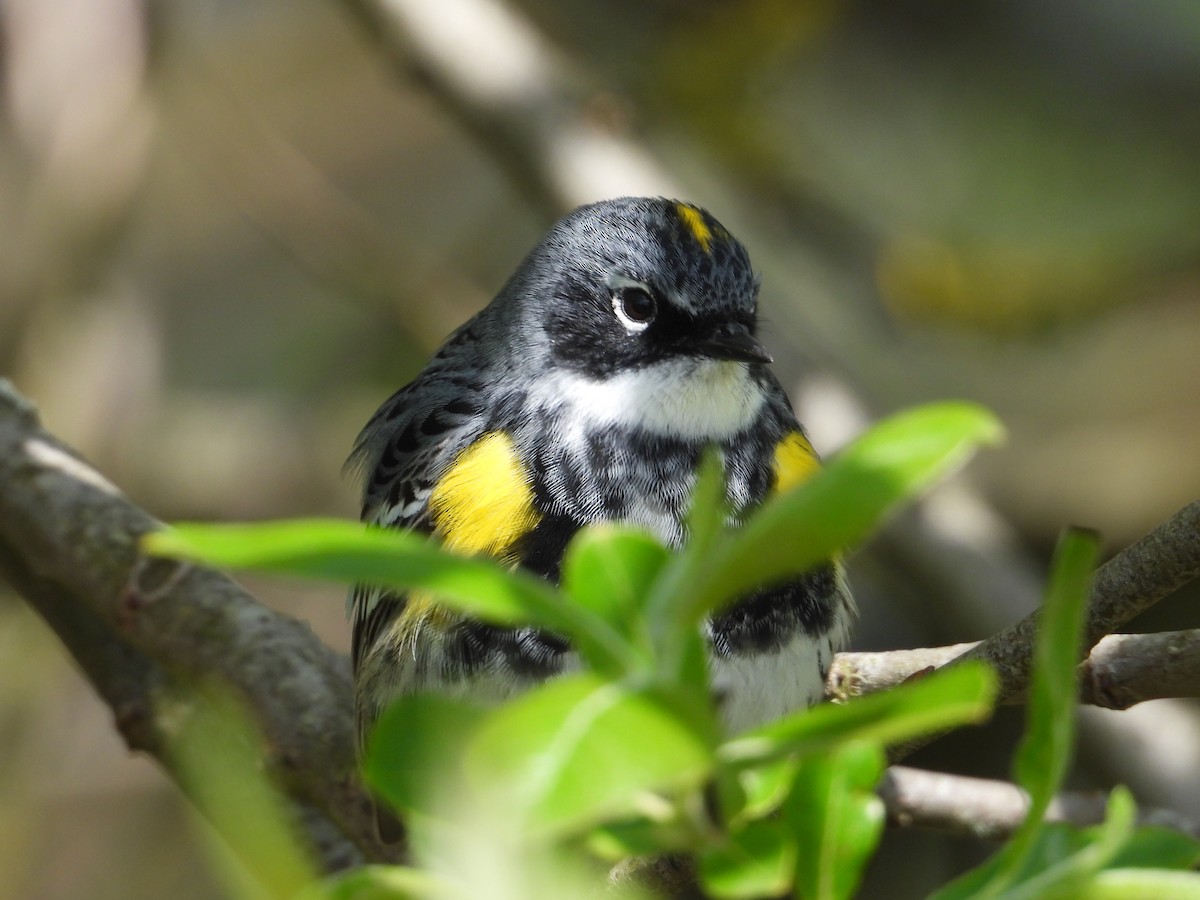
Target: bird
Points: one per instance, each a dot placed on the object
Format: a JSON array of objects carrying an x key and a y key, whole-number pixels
[{"x": 587, "y": 391}]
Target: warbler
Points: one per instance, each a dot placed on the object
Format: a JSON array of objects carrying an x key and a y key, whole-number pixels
[{"x": 587, "y": 391}]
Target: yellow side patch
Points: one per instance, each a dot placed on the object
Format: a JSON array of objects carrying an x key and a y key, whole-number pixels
[
  {"x": 420, "y": 609},
  {"x": 484, "y": 502},
  {"x": 795, "y": 462},
  {"x": 694, "y": 221}
]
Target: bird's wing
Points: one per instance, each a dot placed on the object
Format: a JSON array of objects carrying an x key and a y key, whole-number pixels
[{"x": 401, "y": 451}]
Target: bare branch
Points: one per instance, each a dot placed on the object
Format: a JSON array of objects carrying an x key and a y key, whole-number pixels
[
  {"x": 143, "y": 632},
  {"x": 992, "y": 810},
  {"x": 1121, "y": 671},
  {"x": 1129, "y": 583},
  {"x": 1126, "y": 585},
  {"x": 856, "y": 674},
  {"x": 1126, "y": 669}
]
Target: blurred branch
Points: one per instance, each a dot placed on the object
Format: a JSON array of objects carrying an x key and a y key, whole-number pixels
[
  {"x": 1122, "y": 670},
  {"x": 993, "y": 810},
  {"x": 147, "y": 634},
  {"x": 326, "y": 232},
  {"x": 506, "y": 86}
]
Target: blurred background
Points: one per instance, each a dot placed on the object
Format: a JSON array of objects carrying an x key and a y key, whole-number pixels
[{"x": 230, "y": 228}]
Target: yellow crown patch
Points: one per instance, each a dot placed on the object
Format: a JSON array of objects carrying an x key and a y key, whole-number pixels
[{"x": 693, "y": 220}]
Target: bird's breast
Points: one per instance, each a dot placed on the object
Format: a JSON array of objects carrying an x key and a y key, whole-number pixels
[
  {"x": 610, "y": 454},
  {"x": 692, "y": 399}
]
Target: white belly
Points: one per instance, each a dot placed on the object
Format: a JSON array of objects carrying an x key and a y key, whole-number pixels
[{"x": 754, "y": 689}]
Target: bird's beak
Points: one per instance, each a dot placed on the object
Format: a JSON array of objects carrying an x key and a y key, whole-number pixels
[{"x": 733, "y": 342}]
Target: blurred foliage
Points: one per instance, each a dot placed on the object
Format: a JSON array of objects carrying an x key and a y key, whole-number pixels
[
  {"x": 626, "y": 757},
  {"x": 496, "y": 801}
]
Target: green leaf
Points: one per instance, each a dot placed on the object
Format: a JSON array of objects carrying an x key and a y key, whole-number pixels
[
  {"x": 950, "y": 697},
  {"x": 413, "y": 756},
  {"x": 609, "y": 571},
  {"x": 609, "y": 568},
  {"x": 1146, "y": 848},
  {"x": 338, "y": 550},
  {"x": 1152, "y": 884},
  {"x": 1153, "y": 846},
  {"x": 218, "y": 752},
  {"x": 844, "y": 502},
  {"x": 974, "y": 883},
  {"x": 647, "y": 835},
  {"x": 709, "y": 507},
  {"x": 1066, "y": 876},
  {"x": 578, "y": 750},
  {"x": 756, "y": 861},
  {"x": 1045, "y": 749},
  {"x": 1046, "y": 746},
  {"x": 345, "y": 551},
  {"x": 837, "y": 817},
  {"x": 764, "y": 788},
  {"x": 374, "y": 882},
  {"x": 672, "y": 621}
]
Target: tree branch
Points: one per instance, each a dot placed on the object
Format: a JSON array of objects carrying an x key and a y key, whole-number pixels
[
  {"x": 1122, "y": 670},
  {"x": 1127, "y": 669},
  {"x": 1128, "y": 584},
  {"x": 992, "y": 810},
  {"x": 144, "y": 632}
]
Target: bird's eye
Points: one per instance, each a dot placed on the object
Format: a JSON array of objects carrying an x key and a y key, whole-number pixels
[{"x": 635, "y": 307}]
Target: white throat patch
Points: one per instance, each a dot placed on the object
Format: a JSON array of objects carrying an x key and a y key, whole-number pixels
[{"x": 683, "y": 398}]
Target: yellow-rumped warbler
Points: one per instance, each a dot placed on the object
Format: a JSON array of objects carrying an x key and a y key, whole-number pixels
[{"x": 587, "y": 391}]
